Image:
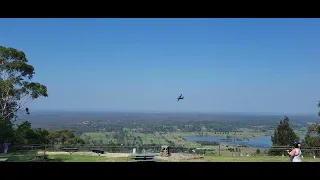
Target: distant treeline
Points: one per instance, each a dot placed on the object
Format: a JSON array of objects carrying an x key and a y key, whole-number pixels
[
  {"x": 162, "y": 122},
  {"x": 169, "y": 126}
]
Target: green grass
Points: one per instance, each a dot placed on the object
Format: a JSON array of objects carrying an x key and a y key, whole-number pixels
[
  {"x": 18, "y": 158},
  {"x": 26, "y": 157},
  {"x": 207, "y": 158},
  {"x": 254, "y": 159},
  {"x": 81, "y": 158}
]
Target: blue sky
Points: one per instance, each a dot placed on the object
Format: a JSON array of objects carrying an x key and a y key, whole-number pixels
[{"x": 220, "y": 65}]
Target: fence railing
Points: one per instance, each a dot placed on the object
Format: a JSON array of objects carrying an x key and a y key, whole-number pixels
[
  {"x": 306, "y": 151},
  {"x": 106, "y": 148},
  {"x": 213, "y": 150}
]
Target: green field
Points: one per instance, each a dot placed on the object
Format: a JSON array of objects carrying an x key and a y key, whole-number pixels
[
  {"x": 156, "y": 138},
  {"x": 140, "y": 138}
]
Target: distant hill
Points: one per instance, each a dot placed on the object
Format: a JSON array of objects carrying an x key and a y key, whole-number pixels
[{"x": 53, "y": 118}]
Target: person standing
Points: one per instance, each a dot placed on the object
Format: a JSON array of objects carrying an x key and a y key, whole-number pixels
[
  {"x": 295, "y": 154},
  {"x": 5, "y": 147}
]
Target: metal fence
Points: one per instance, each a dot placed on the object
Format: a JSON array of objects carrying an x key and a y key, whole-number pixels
[
  {"x": 231, "y": 151},
  {"x": 306, "y": 151},
  {"x": 272, "y": 151},
  {"x": 105, "y": 148}
]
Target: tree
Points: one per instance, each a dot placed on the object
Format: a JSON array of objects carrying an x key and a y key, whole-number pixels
[
  {"x": 16, "y": 87},
  {"x": 284, "y": 134},
  {"x": 258, "y": 151},
  {"x": 64, "y": 137},
  {"x": 77, "y": 141},
  {"x": 26, "y": 135},
  {"x": 312, "y": 138}
]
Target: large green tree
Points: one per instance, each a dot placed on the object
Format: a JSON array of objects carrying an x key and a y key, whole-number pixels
[
  {"x": 64, "y": 137},
  {"x": 312, "y": 138},
  {"x": 284, "y": 134},
  {"x": 16, "y": 88},
  {"x": 26, "y": 135}
]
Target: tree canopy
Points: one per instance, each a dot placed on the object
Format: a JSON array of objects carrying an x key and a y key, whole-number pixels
[
  {"x": 284, "y": 134},
  {"x": 16, "y": 88},
  {"x": 312, "y": 138}
]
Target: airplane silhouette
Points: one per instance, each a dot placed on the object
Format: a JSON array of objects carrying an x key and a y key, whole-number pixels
[
  {"x": 180, "y": 97},
  {"x": 27, "y": 110}
]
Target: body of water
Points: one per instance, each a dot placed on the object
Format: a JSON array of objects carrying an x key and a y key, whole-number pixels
[{"x": 259, "y": 142}]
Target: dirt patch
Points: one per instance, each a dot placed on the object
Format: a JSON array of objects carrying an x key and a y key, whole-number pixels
[
  {"x": 114, "y": 155},
  {"x": 176, "y": 157}
]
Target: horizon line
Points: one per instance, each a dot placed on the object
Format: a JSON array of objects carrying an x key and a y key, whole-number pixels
[{"x": 167, "y": 111}]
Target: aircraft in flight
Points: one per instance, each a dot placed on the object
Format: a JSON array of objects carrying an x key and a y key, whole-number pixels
[{"x": 180, "y": 97}]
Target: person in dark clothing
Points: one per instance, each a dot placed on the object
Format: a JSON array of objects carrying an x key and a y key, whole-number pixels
[{"x": 5, "y": 147}]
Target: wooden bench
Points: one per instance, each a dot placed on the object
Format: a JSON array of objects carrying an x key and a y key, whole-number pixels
[
  {"x": 70, "y": 150},
  {"x": 28, "y": 148},
  {"x": 32, "y": 147},
  {"x": 143, "y": 157},
  {"x": 98, "y": 151},
  {"x": 3, "y": 159},
  {"x": 39, "y": 157}
]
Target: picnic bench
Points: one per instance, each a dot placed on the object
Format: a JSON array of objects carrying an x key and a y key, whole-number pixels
[
  {"x": 32, "y": 147},
  {"x": 98, "y": 151},
  {"x": 143, "y": 157},
  {"x": 3, "y": 159},
  {"x": 70, "y": 150}
]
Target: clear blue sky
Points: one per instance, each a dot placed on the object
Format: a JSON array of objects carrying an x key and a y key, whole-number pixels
[{"x": 220, "y": 65}]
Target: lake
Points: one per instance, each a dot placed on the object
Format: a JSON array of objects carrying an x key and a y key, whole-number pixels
[{"x": 259, "y": 142}]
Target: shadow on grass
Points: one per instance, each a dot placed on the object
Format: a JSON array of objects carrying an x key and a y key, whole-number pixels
[
  {"x": 30, "y": 156},
  {"x": 19, "y": 156},
  {"x": 58, "y": 159},
  {"x": 55, "y": 160}
]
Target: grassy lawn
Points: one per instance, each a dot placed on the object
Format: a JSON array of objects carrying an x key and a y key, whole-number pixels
[
  {"x": 84, "y": 158},
  {"x": 254, "y": 159},
  {"x": 26, "y": 157},
  {"x": 18, "y": 157},
  {"x": 81, "y": 158}
]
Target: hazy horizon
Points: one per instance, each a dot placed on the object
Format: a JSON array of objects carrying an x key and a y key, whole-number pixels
[{"x": 179, "y": 112}]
